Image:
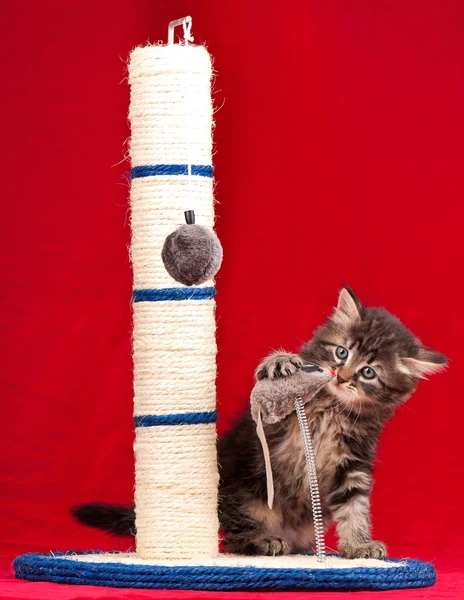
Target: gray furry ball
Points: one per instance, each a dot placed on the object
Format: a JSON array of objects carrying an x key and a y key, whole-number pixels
[{"x": 192, "y": 254}]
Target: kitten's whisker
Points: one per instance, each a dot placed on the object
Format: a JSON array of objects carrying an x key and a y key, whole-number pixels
[
  {"x": 338, "y": 405},
  {"x": 348, "y": 415},
  {"x": 340, "y": 402},
  {"x": 338, "y": 413},
  {"x": 359, "y": 414}
]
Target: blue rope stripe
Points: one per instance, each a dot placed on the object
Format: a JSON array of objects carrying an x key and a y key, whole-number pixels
[
  {"x": 151, "y": 170},
  {"x": 206, "y": 293},
  {"x": 193, "y": 418},
  {"x": 40, "y": 567}
]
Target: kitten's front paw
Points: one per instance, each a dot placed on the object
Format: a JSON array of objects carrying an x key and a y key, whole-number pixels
[
  {"x": 272, "y": 546},
  {"x": 370, "y": 550},
  {"x": 279, "y": 364}
]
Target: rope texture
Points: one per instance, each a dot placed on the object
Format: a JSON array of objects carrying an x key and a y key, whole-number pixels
[
  {"x": 175, "y": 506},
  {"x": 174, "y": 352},
  {"x": 186, "y": 293},
  {"x": 36, "y": 567},
  {"x": 196, "y": 418},
  {"x": 174, "y": 341},
  {"x": 152, "y": 170}
]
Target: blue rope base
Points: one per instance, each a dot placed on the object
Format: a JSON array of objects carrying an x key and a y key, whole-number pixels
[{"x": 41, "y": 567}]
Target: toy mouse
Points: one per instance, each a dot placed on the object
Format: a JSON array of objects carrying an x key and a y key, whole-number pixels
[{"x": 274, "y": 399}]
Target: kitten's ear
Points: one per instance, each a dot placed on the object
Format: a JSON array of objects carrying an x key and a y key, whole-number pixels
[
  {"x": 349, "y": 308},
  {"x": 427, "y": 362}
]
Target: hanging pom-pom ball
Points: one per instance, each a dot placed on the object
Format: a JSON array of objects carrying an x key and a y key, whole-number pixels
[{"x": 192, "y": 254}]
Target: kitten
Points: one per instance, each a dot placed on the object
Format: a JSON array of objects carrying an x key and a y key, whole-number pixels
[{"x": 378, "y": 364}]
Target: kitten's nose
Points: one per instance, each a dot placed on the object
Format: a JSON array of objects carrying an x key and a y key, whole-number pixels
[{"x": 340, "y": 379}]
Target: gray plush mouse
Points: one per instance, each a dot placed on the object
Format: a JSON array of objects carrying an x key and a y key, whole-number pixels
[
  {"x": 274, "y": 399},
  {"x": 192, "y": 254}
]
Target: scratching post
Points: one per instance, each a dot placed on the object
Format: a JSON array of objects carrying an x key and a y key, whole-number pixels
[
  {"x": 174, "y": 326},
  {"x": 175, "y": 368}
]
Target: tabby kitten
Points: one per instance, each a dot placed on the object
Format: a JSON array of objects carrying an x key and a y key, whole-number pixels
[{"x": 378, "y": 364}]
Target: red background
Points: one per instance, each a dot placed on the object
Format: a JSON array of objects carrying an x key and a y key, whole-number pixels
[{"x": 339, "y": 159}]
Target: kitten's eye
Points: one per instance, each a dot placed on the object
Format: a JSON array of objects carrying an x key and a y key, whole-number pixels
[
  {"x": 368, "y": 373},
  {"x": 341, "y": 353}
]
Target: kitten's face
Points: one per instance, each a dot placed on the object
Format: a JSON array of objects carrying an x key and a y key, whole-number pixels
[{"x": 378, "y": 361}]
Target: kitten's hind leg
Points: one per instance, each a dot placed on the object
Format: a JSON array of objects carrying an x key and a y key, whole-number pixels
[
  {"x": 252, "y": 531},
  {"x": 256, "y": 546},
  {"x": 271, "y": 546}
]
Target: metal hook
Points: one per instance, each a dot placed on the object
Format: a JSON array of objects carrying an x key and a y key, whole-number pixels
[{"x": 186, "y": 22}]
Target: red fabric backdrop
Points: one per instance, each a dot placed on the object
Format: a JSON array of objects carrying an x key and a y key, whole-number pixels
[{"x": 339, "y": 159}]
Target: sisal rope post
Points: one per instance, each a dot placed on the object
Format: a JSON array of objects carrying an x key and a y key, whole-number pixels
[{"x": 174, "y": 345}]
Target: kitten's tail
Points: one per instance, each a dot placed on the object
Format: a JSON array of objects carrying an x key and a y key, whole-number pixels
[{"x": 118, "y": 520}]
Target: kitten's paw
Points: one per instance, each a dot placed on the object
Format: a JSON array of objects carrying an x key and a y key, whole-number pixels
[
  {"x": 370, "y": 550},
  {"x": 257, "y": 546},
  {"x": 279, "y": 364},
  {"x": 272, "y": 546}
]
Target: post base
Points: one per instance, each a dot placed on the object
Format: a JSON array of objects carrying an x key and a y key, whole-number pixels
[{"x": 227, "y": 572}]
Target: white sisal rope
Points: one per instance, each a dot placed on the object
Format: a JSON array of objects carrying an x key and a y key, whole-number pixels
[{"x": 174, "y": 341}]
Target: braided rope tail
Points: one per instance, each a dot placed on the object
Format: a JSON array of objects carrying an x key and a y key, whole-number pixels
[{"x": 312, "y": 475}]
